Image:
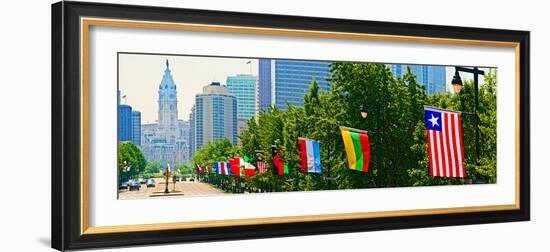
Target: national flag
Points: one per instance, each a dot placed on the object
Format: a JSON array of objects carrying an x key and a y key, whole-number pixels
[
  {"x": 200, "y": 169},
  {"x": 249, "y": 169},
  {"x": 280, "y": 165},
  {"x": 222, "y": 168},
  {"x": 445, "y": 146},
  {"x": 261, "y": 166},
  {"x": 357, "y": 146},
  {"x": 209, "y": 169},
  {"x": 235, "y": 166},
  {"x": 310, "y": 153}
]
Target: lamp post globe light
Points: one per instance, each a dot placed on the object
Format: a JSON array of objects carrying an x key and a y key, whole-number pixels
[
  {"x": 457, "y": 86},
  {"x": 457, "y": 82}
]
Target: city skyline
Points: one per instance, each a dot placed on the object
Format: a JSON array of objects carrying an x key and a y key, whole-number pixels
[{"x": 139, "y": 77}]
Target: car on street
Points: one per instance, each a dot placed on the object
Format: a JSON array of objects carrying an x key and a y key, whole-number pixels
[
  {"x": 123, "y": 185},
  {"x": 143, "y": 181},
  {"x": 150, "y": 183},
  {"x": 134, "y": 185}
]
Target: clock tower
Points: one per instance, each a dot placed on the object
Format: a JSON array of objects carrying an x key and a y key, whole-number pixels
[{"x": 168, "y": 107}]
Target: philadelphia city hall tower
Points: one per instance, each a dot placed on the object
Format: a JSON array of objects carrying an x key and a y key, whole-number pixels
[{"x": 166, "y": 141}]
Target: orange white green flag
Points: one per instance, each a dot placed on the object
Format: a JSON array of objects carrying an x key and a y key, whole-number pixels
[{"x": 357, "y": 146}]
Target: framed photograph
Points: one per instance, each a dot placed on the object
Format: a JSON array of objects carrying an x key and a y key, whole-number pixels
[{"x": 179, "y": 125}]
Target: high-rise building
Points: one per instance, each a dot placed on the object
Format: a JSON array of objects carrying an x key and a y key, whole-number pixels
[
  {"x": 433, "y": 77},
  {"x": 214, "y": 116},
  {"x": 243, "y": 87},
  {"x": 290, "y": 80},
  {"x": 191, "y": 136},
  {"x": 264, "y": 84},
  {"x": 136, "y": 127},
  {"x": 124, "y": 122}
]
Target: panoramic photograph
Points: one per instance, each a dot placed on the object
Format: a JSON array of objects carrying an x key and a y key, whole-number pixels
[{"x": 209, "y": 126}]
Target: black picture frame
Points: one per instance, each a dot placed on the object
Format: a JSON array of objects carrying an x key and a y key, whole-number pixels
[{"x": 66, "y": 188}]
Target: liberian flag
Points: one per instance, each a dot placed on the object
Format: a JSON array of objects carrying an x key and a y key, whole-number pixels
[
  {"x": 445, "y": 148},
  {"x": 310, "y": 153},
  {"x": 357, "y": 146}
]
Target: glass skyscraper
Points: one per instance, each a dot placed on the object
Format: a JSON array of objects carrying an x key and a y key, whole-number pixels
[
  {"x": 289, "y": 80},
  {"x": 124, "y": 123},
  {"x": 433, "y": 77},
  {"x": 136, "y": 127},
  {"x": 243, "y": 87},
  {"x": 214, "y": 116},
  {"x": 264, "y": 84}
]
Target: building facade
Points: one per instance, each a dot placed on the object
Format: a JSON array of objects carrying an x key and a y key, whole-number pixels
[
  {"x": 432, "y": 77},
  {"x": 136, "y": 127},
  {"x": 264, "y": 84},
  {"x": 167, "y": 140},
  {"x": 243, "y": 87},
  {"x": 290, "y": 80},
  {"x": 124, "y": 122},
  {"x": 214, "y": 116}
]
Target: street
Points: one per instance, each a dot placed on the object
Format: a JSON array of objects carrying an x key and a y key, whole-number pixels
[{"x": 183, "y": 189}]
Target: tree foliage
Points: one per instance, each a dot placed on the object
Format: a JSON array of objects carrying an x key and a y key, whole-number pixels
[
  {"x": 131, "y": 162},
  {"x": 395, "y": 123}
]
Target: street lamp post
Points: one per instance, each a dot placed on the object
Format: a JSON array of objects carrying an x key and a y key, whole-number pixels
[
  {"x": 457, "y": 86},
  {"x": 364, "y": 113}
]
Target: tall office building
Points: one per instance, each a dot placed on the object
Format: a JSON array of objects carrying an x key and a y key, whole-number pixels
[
  {"x": 124, "y": 122},
  {"x": 243, "y": 87},
  {"x": 191, "y": 135},
  {"x": 214, "y": 116},
  {"x": 264, "y": 84},
  {"x": 433, "y": 77},
  {"x": 290, "y": 80},
  {"x": 136, "y": 127}
]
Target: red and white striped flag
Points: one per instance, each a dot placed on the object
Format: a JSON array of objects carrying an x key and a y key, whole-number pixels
[
  {"x": 445, "y": 147},
  {"x": 261, "y": 166}
]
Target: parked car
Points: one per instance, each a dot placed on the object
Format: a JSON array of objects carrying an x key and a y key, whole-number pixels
[
  {"x": 134, "y": 185},
  {"x": 123, "y": 185},
  {"x": 150, "y": 183},
  {"x": 191, "y": 179},
  {"x": 143, "y": 181}
]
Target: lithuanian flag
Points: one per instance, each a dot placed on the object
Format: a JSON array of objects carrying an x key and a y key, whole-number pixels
[{"x": 357, "y": 146}]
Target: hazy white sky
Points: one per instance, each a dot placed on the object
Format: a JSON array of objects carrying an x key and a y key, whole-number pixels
[{"x": 140, "y": 76}]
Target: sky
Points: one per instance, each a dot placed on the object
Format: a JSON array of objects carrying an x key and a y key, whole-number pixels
[{"x": 141, "y": 74}]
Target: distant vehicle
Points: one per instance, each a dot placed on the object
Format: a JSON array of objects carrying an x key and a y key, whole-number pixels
[
  {"x": 134, "y": 185},
  {"x": 150, "y": 183},
  {"x": 191, "y": 179},
  {"x": 143, "y": 181},
  {"x": 123, "y": 185}
]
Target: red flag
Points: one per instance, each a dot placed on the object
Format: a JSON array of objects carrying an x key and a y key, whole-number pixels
[
  {"x": 279, "y": 162},
  {"x": 235, "y": 166},
  {"x": 445, "y": 147}
]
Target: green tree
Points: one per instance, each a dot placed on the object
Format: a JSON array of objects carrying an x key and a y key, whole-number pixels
[
  {"x": 152, "y": 169},
  {"x": 131, "y": 162}
]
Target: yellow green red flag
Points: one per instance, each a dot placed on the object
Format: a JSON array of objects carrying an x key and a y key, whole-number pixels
[{"x": 357, "y": 146}]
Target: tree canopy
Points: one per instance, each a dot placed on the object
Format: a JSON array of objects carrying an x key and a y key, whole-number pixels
[{"x": 395, "y": 123}]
